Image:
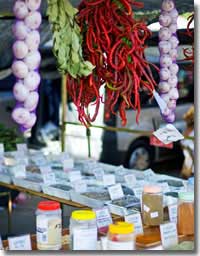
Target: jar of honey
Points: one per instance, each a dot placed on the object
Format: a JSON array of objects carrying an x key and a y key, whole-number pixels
[{"x": 186, "y": 213}]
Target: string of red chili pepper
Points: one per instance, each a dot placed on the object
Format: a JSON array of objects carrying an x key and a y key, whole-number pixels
[{"x": 114, "y": 42}]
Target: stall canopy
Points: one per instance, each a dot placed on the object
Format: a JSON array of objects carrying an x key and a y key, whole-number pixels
[{"x": 6, "y": 38}]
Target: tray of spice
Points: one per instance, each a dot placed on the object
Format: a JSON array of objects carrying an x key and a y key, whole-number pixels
[{"x": 57, "y": 190}]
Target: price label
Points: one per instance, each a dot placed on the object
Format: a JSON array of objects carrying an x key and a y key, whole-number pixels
[
  {"x": 149, "y": 173},
  {"x": 45, "y": 169},
  {"x": 19, "y": 243},
  {"x": 74, "y": 175},
  {"x": 21, "y": 159},
  {"x": 39, "y": 160},
  {"x": 130, "y": 180},
  {"x": 136, "y": 219},
  {"x": 108, "y": 179},
  {"x": 98, "y": 173},
  {"x": 22, "y": 147},
  {"x": 115, "y": 191},
  {"x": 103, "y": 217},
  {"x": 80, "y": 186},
  {"x": 63, "y": 156},
  {"x": 165, "y": 187},
  {"x": 19, "y": 171},
  {"x": 168, "y": 134},
  {"x": 1, "y": 149},
  {"x": 68, "y": 164},
  {"x": 172, "y": 209},
  {"x": 1, "y": 244},
  {"x": 138, "y": 192},
  {"x": 49, "y": 178},
  {"x": 169, "y": 235},
  {"x": 154, "y": 141}
]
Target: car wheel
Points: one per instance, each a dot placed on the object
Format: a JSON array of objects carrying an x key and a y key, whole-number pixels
[{"x": 140, "y": 155}]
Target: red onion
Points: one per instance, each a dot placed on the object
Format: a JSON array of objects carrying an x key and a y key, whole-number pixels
[
  {"x": 27, "y": 60},
  {"x": 168, "y": 54}
]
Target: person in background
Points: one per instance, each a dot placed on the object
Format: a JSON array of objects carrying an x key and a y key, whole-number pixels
[{"x": 188, "y": 145}]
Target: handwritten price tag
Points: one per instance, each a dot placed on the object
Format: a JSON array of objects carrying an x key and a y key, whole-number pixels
[
  {"x": 74, "y": 175},
  {"x": 168, "y": 134},
  {"x": 20, "y": 243},
  {"x": 80, "y": 186},
  {"x": 115, "y": 191},
  {"x": 172, "y": 209},
  {"x": 103, "y": 217},
  {"x": 68, "y": 164},
  {"x": 49, "y": 178},
  {"x": 135, "y": 218},
  {"x": 45, "y": 169},
  {"x": 169, "y": 235},
  {"x": 98, "y": 173},
  {"x": 130, "y": 179},
  {"x": 108, "y": 179},
  {"x": 22, "y": 147}
]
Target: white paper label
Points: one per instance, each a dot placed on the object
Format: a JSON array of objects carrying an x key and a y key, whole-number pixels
[
  {"x": 130, "y": 179},
  {"x": 85, "y": 239},
  {"x": 108, "y": 179},
  {"x": 63, "y": 156},
  {"x": 68, "y": 164},
  {"x": 49, "y": 178},
  {"x": 1, "y": 149},
  {"x": 136, "y": 219},
  {"x": 161, "y": 103},
  {"x": 98, "y": 173},
  {"x": 168, "y": 134},
  {"x": 80, "y": 186},
  {"x": 103, "y": 217},
  {"x": 42, "y": 230},
  {"x": 138, "y": 192},
  {"x": 22, "y": 160},
  {"x": 146, "y": 208},
  {"x": 1, "y": 244},
  {"x": 172, "y": 209},
  {"x": 45, "y": 169},
  {"x": 39, "y": 160},
  {"x": 19, "y": 243},
  {"x": 115, "y": 191},
  {"x": 118, "y": 246},
  {"x": 169, "y": 235},
  {"x": 154, "y": 215},
  {"x": 74, "y": 175},
  {"x": 22, "y": 147},
  {"x": 19, "y": 171},
  {"x": 165, "y": 187}
]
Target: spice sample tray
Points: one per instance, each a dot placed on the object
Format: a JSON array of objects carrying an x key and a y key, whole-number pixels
[
  {"x": 57, "y": 190},
  {"x": 29, "y": 183},
  {"x": 125, "y": 205},
  {"x": 95, "y": 198}
]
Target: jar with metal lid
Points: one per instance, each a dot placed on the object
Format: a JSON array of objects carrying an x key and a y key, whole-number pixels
[
  {"x": 186, "y": 213},
  {"x": 48, "y": 226},
  {"x": 152, "y": 205},
  {"x": 83, "y": 230},
  {"x": 121, "y": 236}
]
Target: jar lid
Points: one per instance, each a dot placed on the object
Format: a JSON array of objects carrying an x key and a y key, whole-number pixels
[
  {"x": 121, "y": 228},
  {"x": 152, "y": 189},
  {"x": 83, "y": 215},
  {"x": 187, "y": 196},
  {"x": 48, "y": 206}
]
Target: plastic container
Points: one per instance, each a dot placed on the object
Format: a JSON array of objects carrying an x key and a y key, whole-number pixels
[
  {"x": 152, "y": 205},
  {"x": 186, "y": 213},
  {"x": 121, "y": 236},
  {"x": 49, "y": 226},
  {"x": 83, "y": 230},
  {"x": 190, "y": 185}
]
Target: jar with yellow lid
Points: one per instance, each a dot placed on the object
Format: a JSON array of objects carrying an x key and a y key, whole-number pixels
[
  {"x": 83, "y": 230},
  {"x": 121, "y": 236}
]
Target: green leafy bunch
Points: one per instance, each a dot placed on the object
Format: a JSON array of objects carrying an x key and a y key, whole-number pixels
[{"x": 67, "y": 39}]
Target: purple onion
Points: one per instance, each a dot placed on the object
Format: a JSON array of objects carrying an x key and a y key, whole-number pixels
[
  {"x": 168, "y": 54},
  {"x": 26, "y": 63}
]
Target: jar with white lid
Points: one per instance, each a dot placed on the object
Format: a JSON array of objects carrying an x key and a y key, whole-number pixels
[
  {"x": 83, "y": 230},
  {"x": 121, "y": 236},
  {"x": 152, "y": 205},
  {"x": 49, "y": 226}
]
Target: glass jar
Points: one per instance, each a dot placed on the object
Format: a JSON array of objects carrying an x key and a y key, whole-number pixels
[
  {"x": 190, "y": 185},
  {"x": 121, "y": 236},
  {"x": 186, "y": 213},
  {"x": 49, "y": 226},
  {"x": 83, "y": 230},
  {"x": 152, "y": 205}
]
